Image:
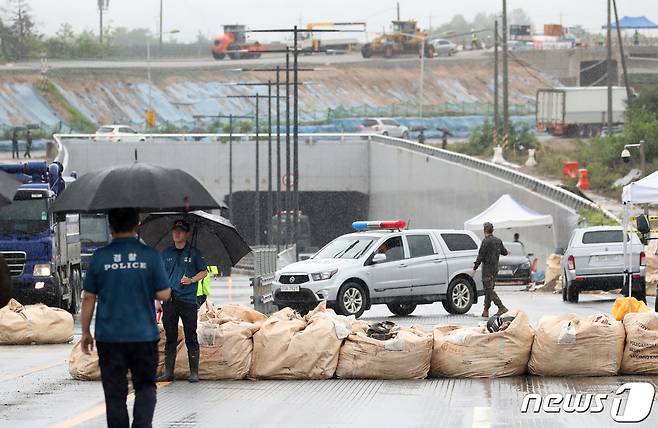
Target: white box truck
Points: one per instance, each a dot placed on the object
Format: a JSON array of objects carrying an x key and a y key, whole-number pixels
[{"x": 578, "y": 111}]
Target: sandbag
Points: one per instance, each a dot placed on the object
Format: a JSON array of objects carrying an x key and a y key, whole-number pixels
[
  {"x": 225, "y": 351},
  {"x": 641, "y": 350},
  {"x": 405, "y": 356},
  {"x": 241, "y": 312},
  {"x": 288, "y": 346},
  {"x": 553, "y": 274},
  {"x": 83, "y": 366},
  {"x": 477, "y": 353},
  {"x": 34, "y": 324},
  {"x": 626, "y": 305},
  {"x": 566, "y": 345}
]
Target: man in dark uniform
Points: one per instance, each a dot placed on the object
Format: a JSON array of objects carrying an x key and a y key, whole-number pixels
[
  {"x": 14, "y": 145},
  {"x": 490, "y": 250},
  {"x": 28, "y": 149},
  {"x": 125, "y": 278},
  {"x": 185, "y": 267}
]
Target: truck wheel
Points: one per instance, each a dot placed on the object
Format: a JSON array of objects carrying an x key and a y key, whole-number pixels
[
  {"x": 572, "y": 292},
  {"x": 401, "y": 309},
  {"x": 231, "y": 52},
  {"x": 352, "y": 299},
  {"x": 219, "y": 56},
  {"x": 388, "y": 52},
  {"x": 366, "y": 51},
  {"x": 459, "y": 297}
]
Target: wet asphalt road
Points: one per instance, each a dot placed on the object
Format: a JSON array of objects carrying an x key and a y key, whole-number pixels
[{"x": 36, "y": 390}]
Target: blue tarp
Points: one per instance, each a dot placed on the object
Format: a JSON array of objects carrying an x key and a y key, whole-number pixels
[{"x": 635, "y": 22}]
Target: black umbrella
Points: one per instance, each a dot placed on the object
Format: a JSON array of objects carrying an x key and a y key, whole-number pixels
[
  {"x": 8, "y": 187},
  {"x": 216, "y": 238},
  {"x": 139, "y": 185}
]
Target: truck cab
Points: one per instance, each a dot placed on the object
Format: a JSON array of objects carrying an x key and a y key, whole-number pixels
[
  {"x": 42, "y": 249},
  {"x": 94, "y": 234}
]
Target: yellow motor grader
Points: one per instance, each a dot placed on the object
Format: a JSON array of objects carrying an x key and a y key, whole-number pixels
[{"x": 406, "y": 38}]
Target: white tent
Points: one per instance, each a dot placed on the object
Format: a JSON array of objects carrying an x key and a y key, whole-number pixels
[
  {"x": 644, "y": 191},
  {"x": 506, "y": 213}
]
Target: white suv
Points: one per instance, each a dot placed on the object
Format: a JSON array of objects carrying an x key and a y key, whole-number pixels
[
  {"x": 118, "y": 133},
  {"x": 383, "y": 126},
  {"x": 399, "y": 268},
  {"x": 594, "y": 260}
]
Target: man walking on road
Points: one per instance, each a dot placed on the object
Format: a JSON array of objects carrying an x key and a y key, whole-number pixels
[
  {"x": 185, "y": 267},
  {"x": 125, "y": 277},
  {"x": 29, "y": 145},
  {"x": 490, "y": 250},
  {"x": 14, "y": 145}
]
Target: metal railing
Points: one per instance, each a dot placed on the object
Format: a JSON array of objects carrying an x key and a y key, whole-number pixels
[{"x": 533, "y": 184}]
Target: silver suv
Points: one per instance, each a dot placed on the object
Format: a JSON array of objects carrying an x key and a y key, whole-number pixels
[
  {"x": 594, "y": 260},
  {"x": 398, "y": 268}
]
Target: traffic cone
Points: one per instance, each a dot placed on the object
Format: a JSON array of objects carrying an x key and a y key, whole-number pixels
[{"x": 583, "y": 180}]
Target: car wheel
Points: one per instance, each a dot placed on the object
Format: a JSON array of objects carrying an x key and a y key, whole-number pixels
[
  {"x": 572, "y": 292},
  {"x": 459, "y": 297},
  {"x": 401, "y": 309},
  {"x": 405, "y": 135},
  {"x": 385, "y": 134},
  {"x": 352, "y": 299}
]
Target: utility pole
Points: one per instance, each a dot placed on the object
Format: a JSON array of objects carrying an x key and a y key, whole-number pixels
[
  {"x": 495, "y": 97},
  {"x": 622, "y": 57},
  {"x": 295, "y": 140},
  {"x": 505, "y": 78},
  {"x": 398, "y": 9},
  {"x": 609, "y": 66},
  {"x": 278, "y": 163},
  {"x": 160, "y": 24},
  {"x": 257, "y": 198},
  {"x": 102, "y": 6},
  {"x": 269, "y": 162},
  {"x": 288, "y": 196},
  {"x": 230, "y": 167}
]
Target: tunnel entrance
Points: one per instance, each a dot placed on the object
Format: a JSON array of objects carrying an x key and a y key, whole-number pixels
[{"x": 330, "y": 214}]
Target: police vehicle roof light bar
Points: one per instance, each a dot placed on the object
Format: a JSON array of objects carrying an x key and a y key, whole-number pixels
[{"x": 377, "y": 225}]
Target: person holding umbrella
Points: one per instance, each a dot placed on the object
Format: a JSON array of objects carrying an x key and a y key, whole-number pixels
[
  {"x": 125, "y": 277},
  {"x": 185, "y": 267}
]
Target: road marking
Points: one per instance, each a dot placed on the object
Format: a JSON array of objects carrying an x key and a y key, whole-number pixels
[
  {"x": 97, "y": 411},
  {"x": 481, "y": 417},
  {"x": 31, "y": 370}
]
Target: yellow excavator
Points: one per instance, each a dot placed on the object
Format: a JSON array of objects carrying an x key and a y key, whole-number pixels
[
  {"x": 406, "y": 38},
  {"x": 310, "y": 43}
]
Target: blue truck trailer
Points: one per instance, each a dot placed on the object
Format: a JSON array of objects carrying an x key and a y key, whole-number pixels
[{"x": 42, "y": 249}]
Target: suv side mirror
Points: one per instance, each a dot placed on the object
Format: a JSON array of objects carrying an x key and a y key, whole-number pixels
[
  {"x": 559, "y": 251},
  {"x": 378, "y": 258}
]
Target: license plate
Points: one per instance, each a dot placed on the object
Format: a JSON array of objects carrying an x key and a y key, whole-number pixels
[
  {"x": 505, "y": 272},
  {"x": 290, "y": 288},
  {"x": 607, "y": 258}
]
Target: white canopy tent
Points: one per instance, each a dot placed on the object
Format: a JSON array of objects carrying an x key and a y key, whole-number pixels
[
  {"x": 644, "y": 191},
  {"x": 506, "y": 213}
]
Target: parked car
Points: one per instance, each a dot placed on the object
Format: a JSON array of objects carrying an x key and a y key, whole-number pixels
[
  {"x": 398, "y": 268},
  {"x": 514, "y": 267},
  {"x": 594, "y": 260},
  {"x": 383, "y": 126},
  {"x": 118, "y": 133},
  {"x": 444, "y": 47}
]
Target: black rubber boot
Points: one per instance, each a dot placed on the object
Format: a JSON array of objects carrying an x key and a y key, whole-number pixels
[
  {"x": 193, "y": 357},
  {"x": 170, "y": 363}
]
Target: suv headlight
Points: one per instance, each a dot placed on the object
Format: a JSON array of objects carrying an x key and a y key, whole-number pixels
[
  {"x": 322, "y": 276},
  {"x": 41, "y": 270}
]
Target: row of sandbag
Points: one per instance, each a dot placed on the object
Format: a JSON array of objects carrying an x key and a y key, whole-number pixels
[
  {"x": 237, "y": 342},
  {"x": 34, "y": 324}
]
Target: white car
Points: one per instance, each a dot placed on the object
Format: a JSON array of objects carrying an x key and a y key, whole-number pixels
[
  {"x": 397, "y": 267},
  {"x": 594, "y": 260},
  {"x": 118, "y": 133},
  {"x": 384, "y": 126},
  {"x": 444, "y": 47}
]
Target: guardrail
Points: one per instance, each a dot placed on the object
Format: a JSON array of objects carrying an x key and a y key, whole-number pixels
[{"x": 533, "y": 184}]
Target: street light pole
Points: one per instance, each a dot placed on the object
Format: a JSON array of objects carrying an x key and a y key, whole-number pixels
[
  {"x": 495, "y": 85},
  {"x": 609, "y": 66},
  {"x": 505, "y": 77},
  {"x": 295, "y": 217},
  {"x": 288, "y": 196},
  {"x": 257, "y": 198},
  {"x": 422, "y": 77},
  {"x": 278, "y": 163},
  {"x": 230, "y": 166},
  {"x": 269, "y": 162}
]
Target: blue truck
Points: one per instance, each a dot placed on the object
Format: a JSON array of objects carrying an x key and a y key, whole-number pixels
[{"x": 42, "y": 249}]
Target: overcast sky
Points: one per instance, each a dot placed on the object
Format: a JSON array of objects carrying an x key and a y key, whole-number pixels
[{"x": 207, "y": 16}]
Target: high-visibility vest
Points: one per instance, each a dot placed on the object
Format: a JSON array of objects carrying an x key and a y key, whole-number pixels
[
  {"x": 203, "y": 289},
  {"x": 474, "y": 36}
]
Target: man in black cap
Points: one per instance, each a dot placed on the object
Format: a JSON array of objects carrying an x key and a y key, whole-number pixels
[
  {"x": 490, "y": 250},
  {"x": 185, "y": 267}
]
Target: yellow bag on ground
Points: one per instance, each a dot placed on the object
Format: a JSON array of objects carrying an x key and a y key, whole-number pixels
[
  {"x": 477, "y": 353},
  {"x": 406, "y": 356},
  {"x": 641, "y": 350},
  {"x": 83, "y": 366},
  {"x": 626, "y": 305},
  {"x": 225, "y": 351},
  {"x": 565, "y": 345},
  {"x": 34, "y": 324},
  {"x": 288, "y": 346}
]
